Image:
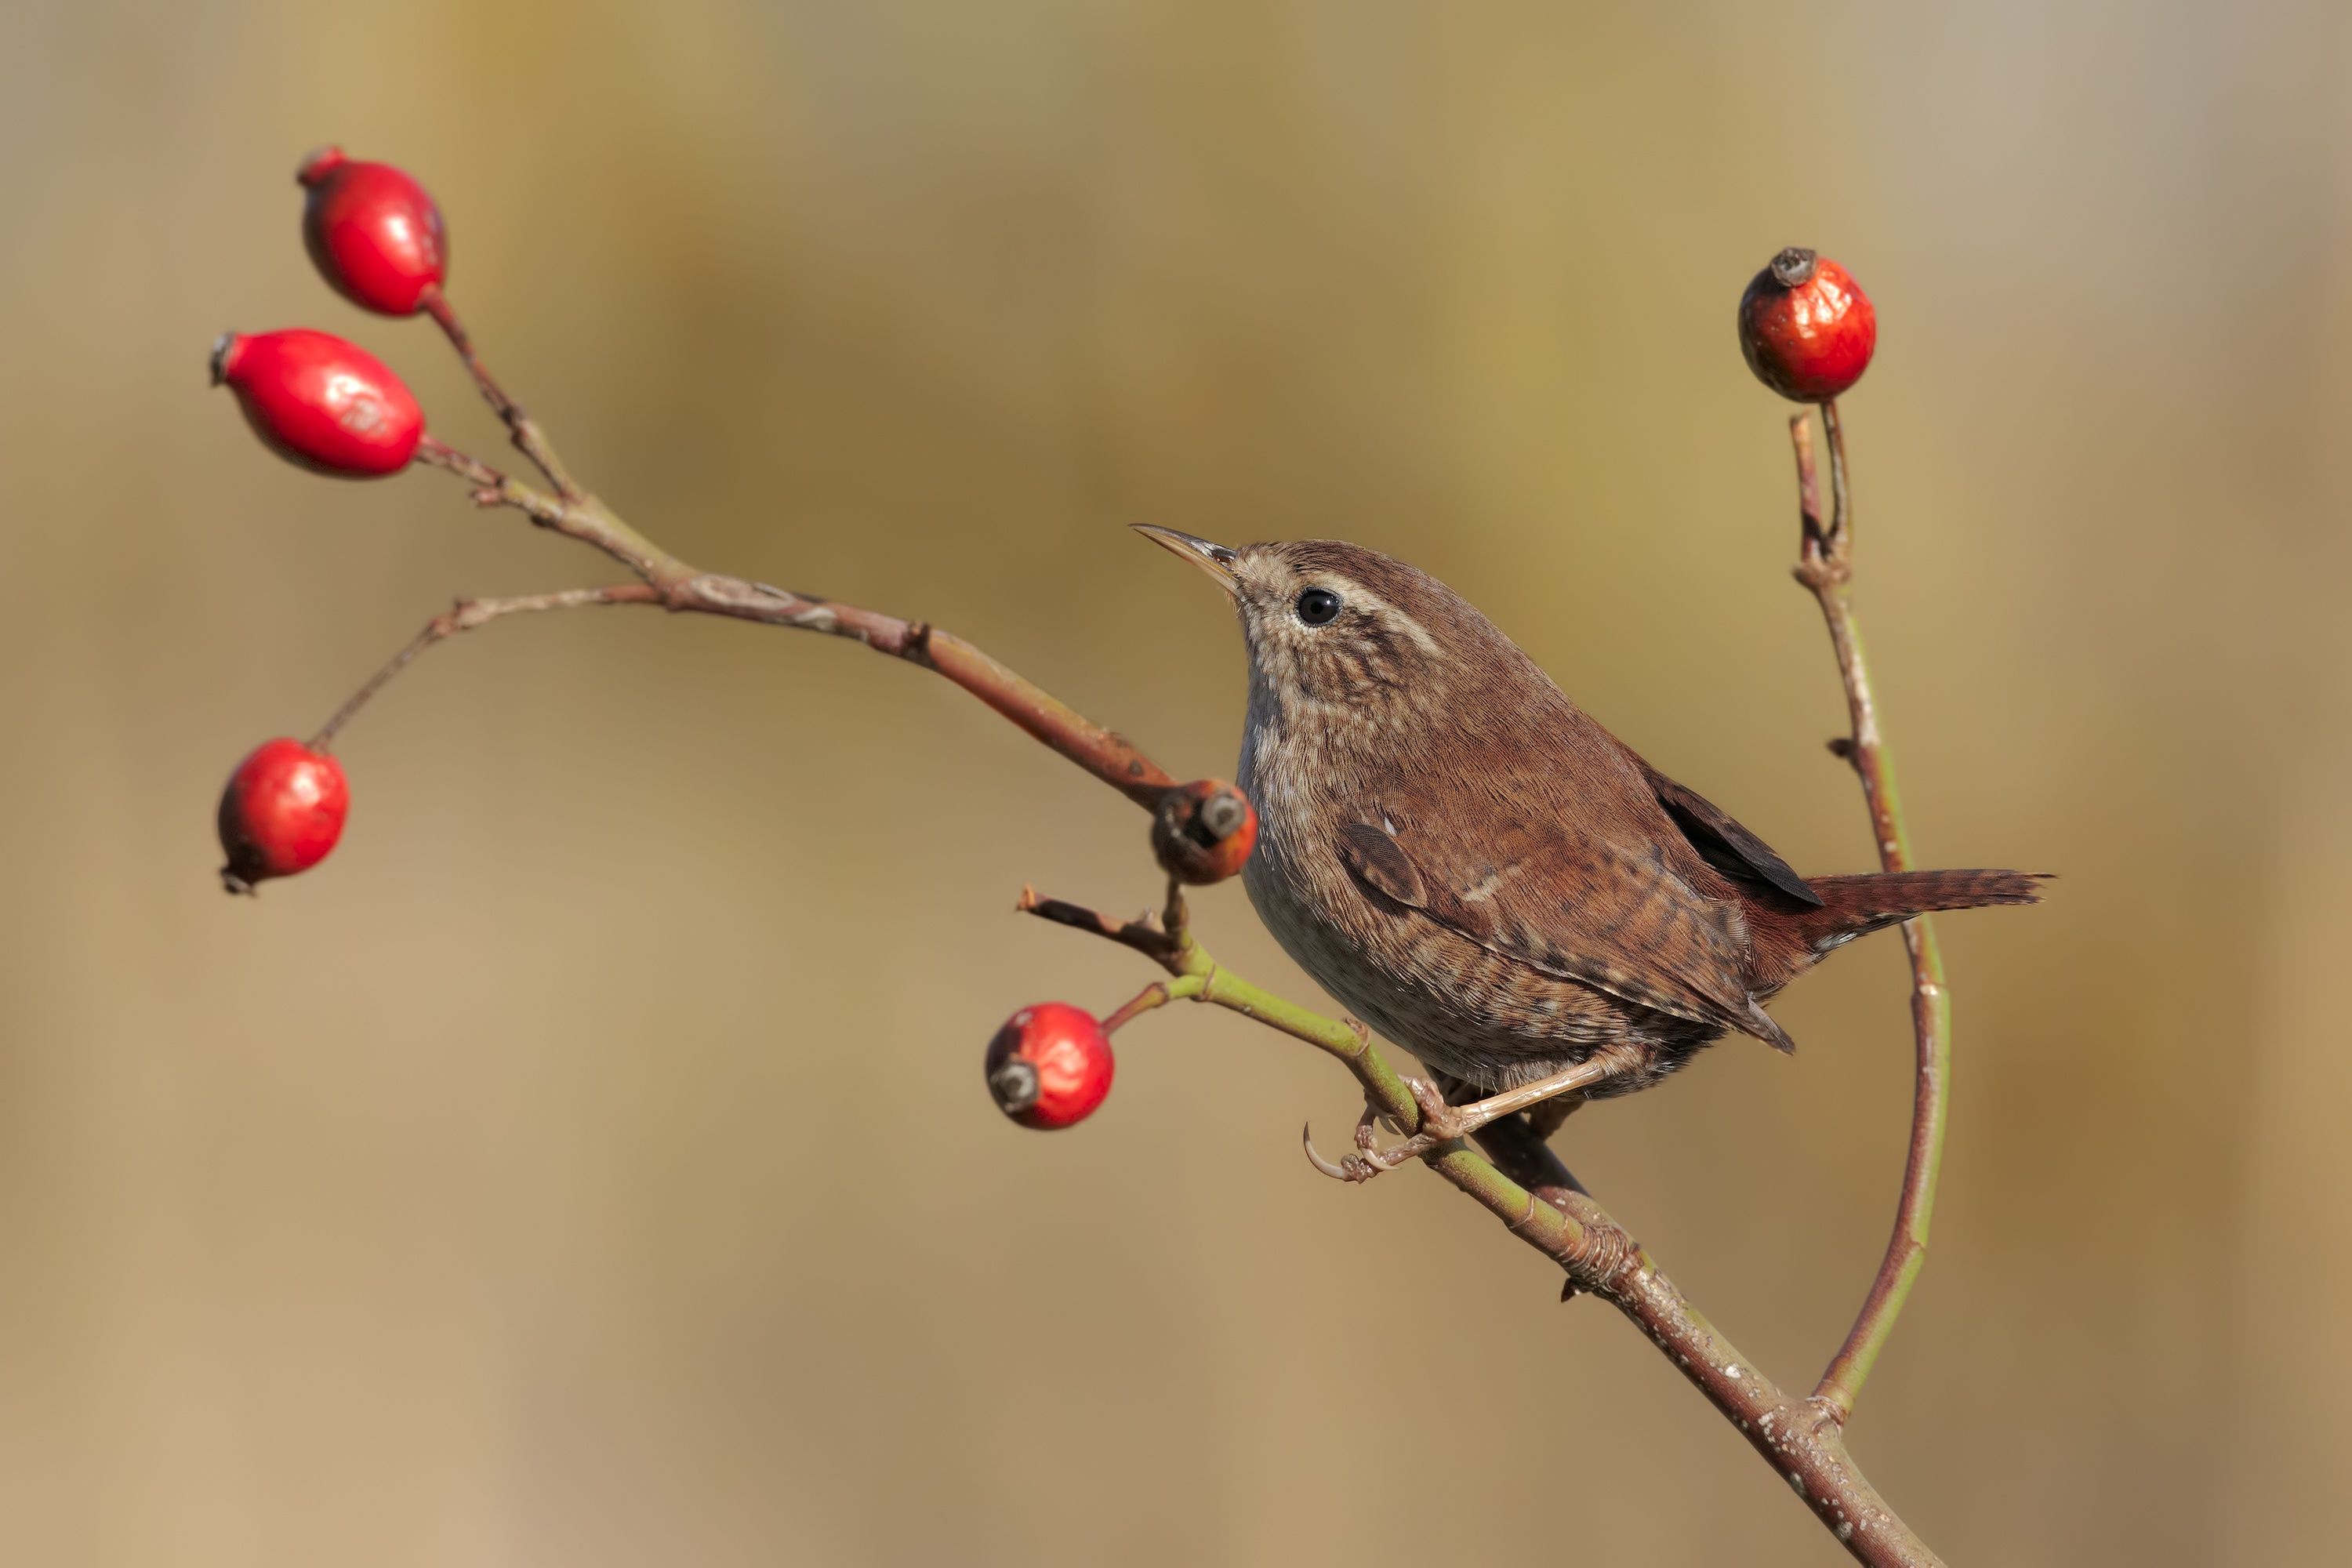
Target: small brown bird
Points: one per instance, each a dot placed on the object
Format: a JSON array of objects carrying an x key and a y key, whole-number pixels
[{"x": 1474, "y": 867}]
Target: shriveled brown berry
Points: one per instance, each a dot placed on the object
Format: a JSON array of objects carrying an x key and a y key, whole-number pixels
[{"x": 1203, "y": 831}]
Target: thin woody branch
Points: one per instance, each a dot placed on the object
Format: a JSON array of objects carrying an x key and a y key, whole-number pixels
[
  {"x": 1796, "y": 1437},
  {"x": 1545, "y": 1208},
  {"x": 529, "y": 438},
  {"x": 464, "y": 616},
  {"x": 1145, "y": 933},
  {"x": 681, "y": 587},
  {"x": 1825, "y": 567}
]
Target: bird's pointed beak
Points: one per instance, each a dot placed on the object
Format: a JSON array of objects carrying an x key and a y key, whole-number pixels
[{"x": 1215, "y": 559}]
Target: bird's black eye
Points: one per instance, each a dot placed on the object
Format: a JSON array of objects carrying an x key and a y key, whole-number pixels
[{"x": 1318, "y": 606}]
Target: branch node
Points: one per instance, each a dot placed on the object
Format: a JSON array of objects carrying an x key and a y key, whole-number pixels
[
  {"x": 1598, "y": 1256},
  {"x": 1439, "y": 1122}
]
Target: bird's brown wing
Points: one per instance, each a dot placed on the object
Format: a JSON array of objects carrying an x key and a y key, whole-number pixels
[{"x": 1577, "y": 907}]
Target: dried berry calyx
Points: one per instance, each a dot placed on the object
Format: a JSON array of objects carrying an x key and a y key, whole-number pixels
[
  {"x": 1806, "y": 327},
  {"x": 1050, "y": 1065},
  {"x": 1793, "y": 267},
  {"x": 1016, "y": 1086},
  {"x": 373, "y": 232},
  {"x": 281, "y": 814},
  {"x": 320, "y": 402},
  {"x": 1202, "y": 832}
]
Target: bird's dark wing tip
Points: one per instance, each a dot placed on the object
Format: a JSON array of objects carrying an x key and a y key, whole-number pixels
[{"x": 1722, "y": 843}]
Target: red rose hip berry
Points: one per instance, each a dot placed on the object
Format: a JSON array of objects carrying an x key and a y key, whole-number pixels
[
  {"x": 374, "y": 232},
  {"x": 1807, "y": 328},
  {"x": 281, "y": 812},
  {"x": 1203, "y": 831},
  {"x": 314, "y": 399},
  {"x": 1050, "y": 1065}
]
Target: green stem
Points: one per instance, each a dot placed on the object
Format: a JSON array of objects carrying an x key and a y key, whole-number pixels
[
  {"x": 1353, "y": 1046},
  {"x": 1158, "y": 994},
  {"x": 1826, "y": 569}
]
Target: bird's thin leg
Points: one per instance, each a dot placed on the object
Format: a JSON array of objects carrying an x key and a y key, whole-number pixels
[
  {"x": 1443, "y": 1123},
  {"x": 1581, "y": 1078},
  {"x": 1548, "y": 1117},
  {"x": 1545, "y": 1118}
]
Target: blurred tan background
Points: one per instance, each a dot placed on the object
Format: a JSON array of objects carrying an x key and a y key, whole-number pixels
[{"x": 513, "y": 1189}]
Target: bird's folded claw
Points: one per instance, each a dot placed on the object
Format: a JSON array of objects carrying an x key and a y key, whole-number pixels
[
  {"x": 1439, "y": 1124},
  {"x": 1354, "y": 1168}
]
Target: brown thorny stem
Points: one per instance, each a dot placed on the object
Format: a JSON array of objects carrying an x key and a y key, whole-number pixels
[{"x": 1518, "y": 1178}]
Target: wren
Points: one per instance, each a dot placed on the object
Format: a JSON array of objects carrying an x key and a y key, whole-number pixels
[{"x": 1474, "y": 867}]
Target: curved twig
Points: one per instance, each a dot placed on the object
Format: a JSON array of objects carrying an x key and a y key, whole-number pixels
[
  {"x": 529, "y": 438},
  {"x": 1826, "y": 568},
  {"x": 1158, "y": 994},
  {"x": 464, "y": 616},
  {"x": 684, "y": 588}
]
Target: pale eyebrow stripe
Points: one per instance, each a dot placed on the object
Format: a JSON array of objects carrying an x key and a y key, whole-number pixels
[{"x": 1357, "y": 593}]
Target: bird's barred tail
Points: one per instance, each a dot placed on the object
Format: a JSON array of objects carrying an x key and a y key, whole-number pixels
[{"x": 1853, "y": 905}]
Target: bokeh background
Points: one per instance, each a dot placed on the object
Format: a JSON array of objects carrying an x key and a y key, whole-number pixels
[{"x": 589, "y": 1166}]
